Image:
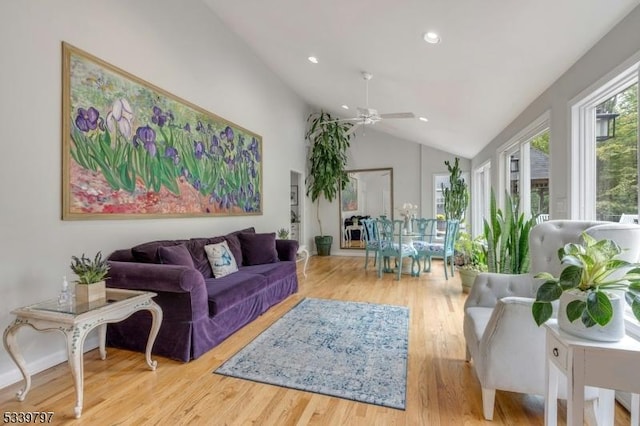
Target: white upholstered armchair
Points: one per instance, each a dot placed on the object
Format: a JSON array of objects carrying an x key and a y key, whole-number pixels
[{"x": 506, "y": 345}]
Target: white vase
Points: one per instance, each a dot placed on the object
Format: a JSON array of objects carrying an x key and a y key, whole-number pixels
[
  {"x": 407, "y": 225},
  {"x": 613, "y": 331}
]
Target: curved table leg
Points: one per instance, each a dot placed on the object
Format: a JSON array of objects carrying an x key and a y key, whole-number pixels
[
  {"x": 102, "y": 333},
  {"x": 75, "y": 343},
  {"x": 9, "y": 340},
  {"x": 156, "y": 314}
]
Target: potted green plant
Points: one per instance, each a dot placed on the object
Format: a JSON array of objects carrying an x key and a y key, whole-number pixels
[
  {"x": 91, "y": 273},
  {"x": 507, "y": 236},
  {"x": 327, "y": 163},
  {"x": 470, "y": 258},
  {"x": 590, "y": 289},
  {"x": 456, "y": 196},
  {"x": 283, "y": 233}
]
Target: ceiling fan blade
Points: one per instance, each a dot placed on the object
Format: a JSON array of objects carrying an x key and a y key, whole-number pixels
[{"x": 398, "y": 115}]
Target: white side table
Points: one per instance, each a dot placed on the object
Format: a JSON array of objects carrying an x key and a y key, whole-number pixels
[
  {"x": 584, "y": 362},
  {"x": 303, "y": 255},
  {"x": 75, "y": 321}
]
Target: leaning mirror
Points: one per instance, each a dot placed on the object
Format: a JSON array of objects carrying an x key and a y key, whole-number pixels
[{"x": 368, "y": 194}]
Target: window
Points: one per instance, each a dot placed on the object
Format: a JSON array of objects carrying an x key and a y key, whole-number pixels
[
  {"x": 480, "y": 196},
  {"x": 604, "y": 151},
  {"x": 525, "y": 169},
  {"x": 604, "y": 141}
]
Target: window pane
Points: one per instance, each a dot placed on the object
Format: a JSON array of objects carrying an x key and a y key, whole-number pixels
[
  {"x": 514, "y": 175},
  {"x": 539, "y": 169},
  {"x": 616, "y": 156}
]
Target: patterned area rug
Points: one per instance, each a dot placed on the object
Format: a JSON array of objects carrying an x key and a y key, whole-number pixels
[{"x": 351, "y": 350}]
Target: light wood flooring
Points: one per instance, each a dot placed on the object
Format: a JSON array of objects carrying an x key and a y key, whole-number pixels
[{"x": 441, "y": 388}]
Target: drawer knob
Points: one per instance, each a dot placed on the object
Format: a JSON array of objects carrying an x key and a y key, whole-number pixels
[{"x": 555, "y": 352}]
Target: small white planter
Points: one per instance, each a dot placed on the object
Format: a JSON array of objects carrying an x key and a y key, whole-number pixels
[{"x": 612, "y": 332}]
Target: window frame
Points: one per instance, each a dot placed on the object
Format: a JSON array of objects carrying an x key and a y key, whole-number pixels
[{"x": 522, "y": 142}]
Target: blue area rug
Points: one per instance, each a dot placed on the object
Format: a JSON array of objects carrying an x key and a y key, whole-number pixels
[{"x": 351, "y": 350}]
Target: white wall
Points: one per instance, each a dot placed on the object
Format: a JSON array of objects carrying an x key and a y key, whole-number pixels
[
  {"x": 413, "y": 168},
  {"x": 179, "y": 46},
  {"x": 620, "y": 44}
]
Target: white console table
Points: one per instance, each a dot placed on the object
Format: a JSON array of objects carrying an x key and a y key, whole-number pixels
[
  {"x": 75, "y": 321},
  {"x": 608, "y": 366},
  {"x": 303, "y": 255}
]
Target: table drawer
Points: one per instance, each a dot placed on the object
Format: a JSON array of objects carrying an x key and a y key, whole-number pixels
[{"x": 556, "y": 351}]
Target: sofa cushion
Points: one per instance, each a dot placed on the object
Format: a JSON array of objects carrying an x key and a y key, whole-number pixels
[
  {"x": 258, "y": 249},
  {"x": 234, "y": 243},
  {"x": 225, "y": 292},
  {"x": 273, "y": 271},
  {"x": 175, "y": 255},
  {"x": 221, "y": 259},
  {"x": 200, "y": 259},
  {"x": 148, "y": 252}
]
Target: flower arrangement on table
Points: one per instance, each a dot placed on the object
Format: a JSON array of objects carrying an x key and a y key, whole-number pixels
[{"x": 408, "y": 210}]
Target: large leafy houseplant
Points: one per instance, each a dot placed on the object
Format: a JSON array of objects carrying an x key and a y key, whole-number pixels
[
  {"x": 327, "y": 161},
  {"x": 456, "y": 196},
  {"x": 592, "y": 268},
  {"x": 507, "y": 236}
]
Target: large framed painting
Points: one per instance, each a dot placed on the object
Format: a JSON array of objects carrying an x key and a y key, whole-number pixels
[{"x": 132, "y": 150}]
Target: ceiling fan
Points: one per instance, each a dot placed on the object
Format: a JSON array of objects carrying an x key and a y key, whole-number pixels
[{"x": 369, "y": 115}]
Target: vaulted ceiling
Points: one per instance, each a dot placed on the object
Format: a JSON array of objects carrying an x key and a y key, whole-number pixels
[{"x": 494, "y": 59}]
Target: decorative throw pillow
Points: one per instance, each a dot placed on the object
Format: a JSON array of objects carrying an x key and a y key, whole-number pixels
[
  {"x": 234, "y": 243},
  {"x": 221, "y": 259},
  {"x": 175, "y": 255},
  {"x": 258, "y": 249}
]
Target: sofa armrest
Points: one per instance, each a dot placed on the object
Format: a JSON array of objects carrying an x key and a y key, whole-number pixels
[
  {"x": 287, "y": 249},
  {"x": 181, "y": 291},
  {"x": 489, "y": 287},
  {"x": 154, "y": 277}
]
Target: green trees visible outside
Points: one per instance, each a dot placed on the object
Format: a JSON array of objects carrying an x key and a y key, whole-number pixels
[{"x": 617, "y": 161}]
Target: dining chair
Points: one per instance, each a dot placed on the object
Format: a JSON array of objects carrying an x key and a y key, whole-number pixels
[
  {"x": 392, "y": 245},
  {"x": 445, "y": 250},
  {"x": 371, "y": 242}
]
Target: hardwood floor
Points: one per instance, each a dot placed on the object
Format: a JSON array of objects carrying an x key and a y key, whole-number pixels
[{"x": 441, "y": 387}]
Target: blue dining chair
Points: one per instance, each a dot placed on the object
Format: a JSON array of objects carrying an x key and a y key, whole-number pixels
[
  {"x": 392, "y": 246},
  {"x": 426, "y": 250},
  {"x": 371, "y": 242}
]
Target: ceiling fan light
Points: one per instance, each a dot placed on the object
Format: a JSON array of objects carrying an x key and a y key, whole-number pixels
[
  {"x": 345, "y": 106},
  {"x": 313, "y": 59},
  {"x": 431, "y": 37},
  {"x": 425, "y": 119}
]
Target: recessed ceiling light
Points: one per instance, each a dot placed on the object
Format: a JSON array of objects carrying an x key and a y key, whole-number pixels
[
  {"x": 345, "y": 106},
  {"x": 431, "y": 37},
  {"x": 313, "y": 59},
  {"x": 425, "y": 119}
]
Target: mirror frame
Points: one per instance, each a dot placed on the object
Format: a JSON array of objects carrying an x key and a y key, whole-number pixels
[{"x": 340, "y": 211}]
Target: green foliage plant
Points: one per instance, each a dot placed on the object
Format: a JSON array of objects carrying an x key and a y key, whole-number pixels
[
  {"x": 328, "y": 157},
  {"x": 471, "y": 252},
  {"x": 591, "y": 267},
  {"x": 90, "y": 271},
  {"x": 283, "y": 233},
  {"x": 456, "y": 197},
  {"x": 507, "y": 236}
]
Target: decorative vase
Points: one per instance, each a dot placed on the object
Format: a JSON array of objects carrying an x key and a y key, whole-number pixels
[
  {"x": 87, "y": 293},
  {"x": 407, "y": 225},
  {"x": 467, "y": 277},
  {"x": 611, "y": 332}
]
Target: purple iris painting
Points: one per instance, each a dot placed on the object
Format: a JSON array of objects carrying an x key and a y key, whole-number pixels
[{"x": 134, "y": 150}]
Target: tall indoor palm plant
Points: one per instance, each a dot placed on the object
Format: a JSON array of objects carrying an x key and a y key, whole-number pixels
[{"x": 327, "y": 164}]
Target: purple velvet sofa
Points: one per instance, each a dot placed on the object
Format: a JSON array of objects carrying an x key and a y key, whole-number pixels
[{"x": 200, "y": 311}]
